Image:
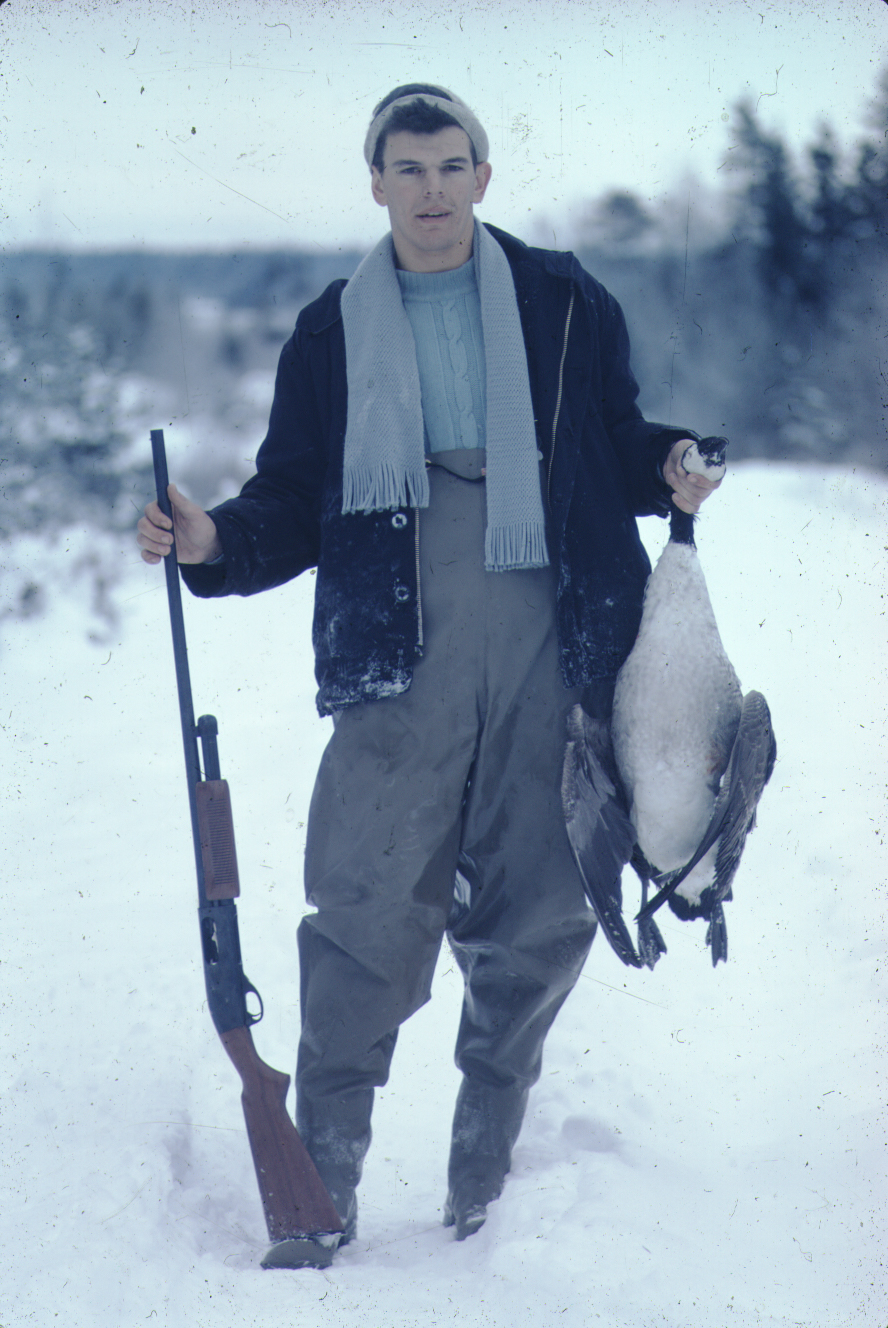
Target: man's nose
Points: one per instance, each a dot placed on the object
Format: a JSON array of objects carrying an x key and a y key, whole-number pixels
[{"x": 433, "y": 182}]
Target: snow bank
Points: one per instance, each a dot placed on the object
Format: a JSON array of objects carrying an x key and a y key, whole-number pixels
[{"x": 704, "y": 1148}]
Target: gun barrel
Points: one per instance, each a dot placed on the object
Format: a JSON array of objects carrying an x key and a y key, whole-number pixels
[{"x": 180, "y": 654}]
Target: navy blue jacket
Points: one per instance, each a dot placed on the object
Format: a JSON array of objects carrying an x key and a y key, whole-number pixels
[{"x": 602, "y": 462}]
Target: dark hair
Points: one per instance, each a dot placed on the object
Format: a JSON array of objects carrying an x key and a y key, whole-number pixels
[{"x": 417, "y": 117}]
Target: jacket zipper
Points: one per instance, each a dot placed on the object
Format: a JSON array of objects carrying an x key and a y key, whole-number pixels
[
  {"x": 560, "y": 390},
  {"x": 418, "y": 587}
]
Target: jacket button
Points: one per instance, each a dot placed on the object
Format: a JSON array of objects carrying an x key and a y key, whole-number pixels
[
  {"x": 401, "y": 594},
  {"x": 399, "y": 521}
]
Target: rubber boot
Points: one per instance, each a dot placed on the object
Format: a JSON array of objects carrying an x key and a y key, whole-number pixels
[
  {"x": 486, "y": 1124},
  {"x": 336, "y": 1133}
]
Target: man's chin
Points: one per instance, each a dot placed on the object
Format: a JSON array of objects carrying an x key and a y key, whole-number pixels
[
  {"x": 436, "y": 239},
  {"x": 435, "y": 242},
  {"x": 440, "y": 236}
]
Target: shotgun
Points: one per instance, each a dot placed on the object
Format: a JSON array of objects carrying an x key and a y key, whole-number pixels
[{"x": 294, "y": 1198}]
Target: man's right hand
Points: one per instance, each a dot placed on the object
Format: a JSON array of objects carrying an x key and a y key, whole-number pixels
[{"x": 196, "y": 538}]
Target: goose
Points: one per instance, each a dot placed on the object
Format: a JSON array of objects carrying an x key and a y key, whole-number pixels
[{"x": 672, "y": 784}]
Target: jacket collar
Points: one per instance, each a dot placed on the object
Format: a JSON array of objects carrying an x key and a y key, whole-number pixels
[{"x": 553, "y": 261}]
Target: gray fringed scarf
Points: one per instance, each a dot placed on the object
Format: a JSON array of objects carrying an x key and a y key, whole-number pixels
[{"x": 384, "y": 465}]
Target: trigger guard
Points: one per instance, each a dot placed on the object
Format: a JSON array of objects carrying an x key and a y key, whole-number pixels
[{"x": 252, "y": 1018}]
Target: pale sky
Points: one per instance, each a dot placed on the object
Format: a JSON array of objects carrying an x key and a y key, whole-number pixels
[{"x": 125, "y": 123}]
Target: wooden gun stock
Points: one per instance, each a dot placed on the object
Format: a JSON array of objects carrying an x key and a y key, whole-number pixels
[{"x": 293, "y": 1195}]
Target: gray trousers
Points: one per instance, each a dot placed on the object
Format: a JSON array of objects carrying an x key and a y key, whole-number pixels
[{"x": 456, "y": 780}]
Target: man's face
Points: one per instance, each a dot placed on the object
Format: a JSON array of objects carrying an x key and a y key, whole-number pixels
[{"x": 429, "y": 185}]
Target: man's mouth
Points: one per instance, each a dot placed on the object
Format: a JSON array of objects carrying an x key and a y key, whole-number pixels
[{"x": 436, "y": 215}]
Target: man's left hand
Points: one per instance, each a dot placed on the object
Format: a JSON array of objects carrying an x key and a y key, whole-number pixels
[{"x": 689, "y": 491}]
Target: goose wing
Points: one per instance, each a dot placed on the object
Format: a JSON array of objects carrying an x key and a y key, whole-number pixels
[
  {"x": 601, "y": 835},
  {"x": 749, "y": 771},
  {"x": 749, "y": 768}
]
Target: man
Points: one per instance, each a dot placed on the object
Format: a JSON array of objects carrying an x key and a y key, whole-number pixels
[{"x": 454, "y": 444}]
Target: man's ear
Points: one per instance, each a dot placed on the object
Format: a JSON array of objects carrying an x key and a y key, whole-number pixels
[
  {"x": 483, "y": 172},
  {"x": 377, "y": 188}
]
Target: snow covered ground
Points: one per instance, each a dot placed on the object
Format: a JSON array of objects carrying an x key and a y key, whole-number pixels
[{"x": 705, "y": 1148}]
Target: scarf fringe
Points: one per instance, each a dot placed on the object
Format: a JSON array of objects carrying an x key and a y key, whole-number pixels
[
  {"x": 513, "y": 547},
  {"x": 383, "y": 488}
]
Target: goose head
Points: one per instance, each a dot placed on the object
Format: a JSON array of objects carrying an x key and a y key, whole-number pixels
[{"x": 705, "y": 457}]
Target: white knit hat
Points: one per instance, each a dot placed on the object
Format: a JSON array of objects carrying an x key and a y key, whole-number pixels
[{"x": 448, "y": 102}]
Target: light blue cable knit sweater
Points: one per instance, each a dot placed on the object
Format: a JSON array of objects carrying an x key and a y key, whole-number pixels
[{"x": 444, "y": 309}]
